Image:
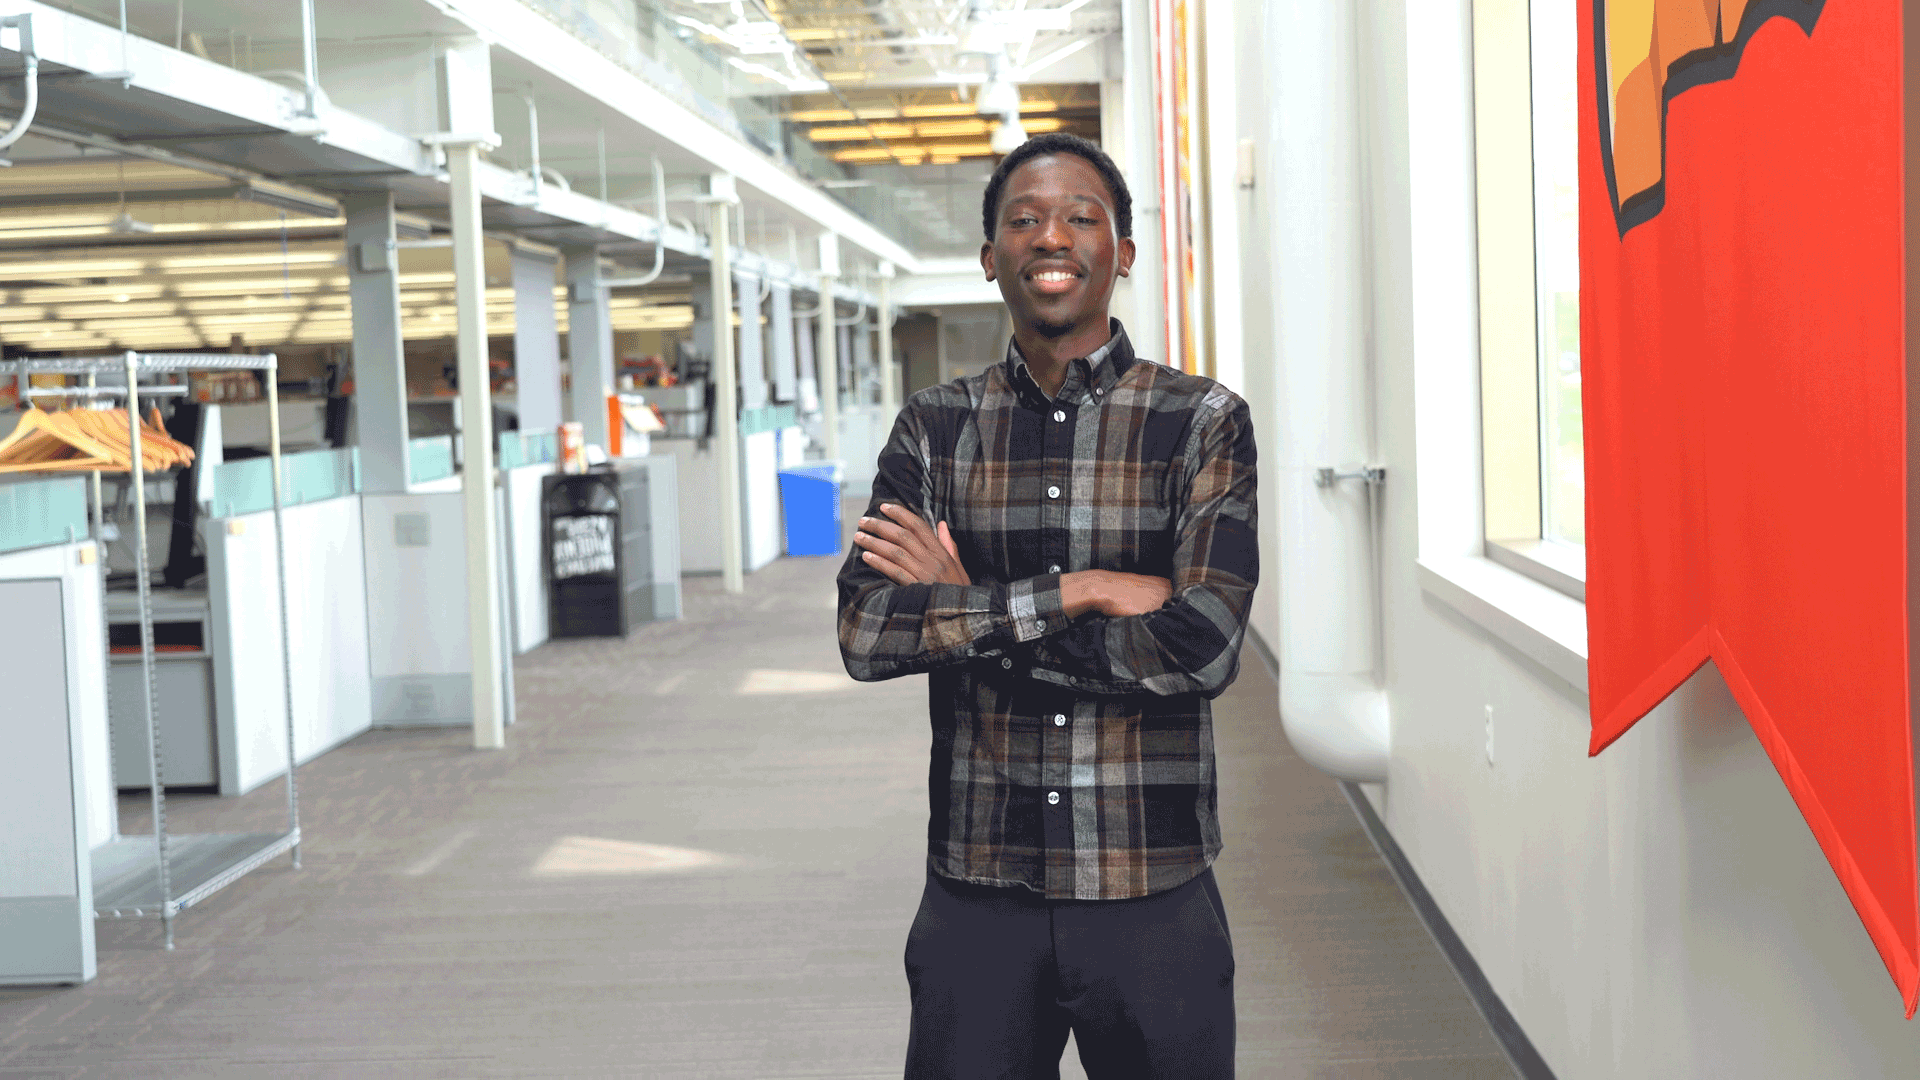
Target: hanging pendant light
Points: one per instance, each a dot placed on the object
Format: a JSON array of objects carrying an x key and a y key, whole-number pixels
[
  {"x": 997, "y": 97},
  {"x": 1007, "y": 134}
]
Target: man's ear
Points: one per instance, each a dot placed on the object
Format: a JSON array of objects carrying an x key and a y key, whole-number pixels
[
  {"x": 986, "y": 259},
  {"x": 1127, "y": 252}
]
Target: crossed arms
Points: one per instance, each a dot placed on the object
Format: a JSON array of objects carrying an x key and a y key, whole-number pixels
[
  {"x": 901, "y": 546},
  {"x": 907, "y": 605}
]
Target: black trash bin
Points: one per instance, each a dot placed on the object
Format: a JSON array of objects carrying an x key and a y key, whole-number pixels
[{"x": 586, "y": 564}]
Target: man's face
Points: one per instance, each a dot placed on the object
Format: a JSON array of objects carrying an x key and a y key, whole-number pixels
[{"x": 1056, "y": 249}]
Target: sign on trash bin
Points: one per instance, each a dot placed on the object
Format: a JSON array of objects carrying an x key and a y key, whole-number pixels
[{"x": 585, "y": 567}]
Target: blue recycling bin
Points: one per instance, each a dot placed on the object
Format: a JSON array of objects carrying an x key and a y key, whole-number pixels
[{"x": 810, "y": 503}]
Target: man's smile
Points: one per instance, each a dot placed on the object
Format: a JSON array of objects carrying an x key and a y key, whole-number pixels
[{"x": 1054, "y": 280}]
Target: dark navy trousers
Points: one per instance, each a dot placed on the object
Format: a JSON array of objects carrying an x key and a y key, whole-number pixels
[{"x": 1001, "y": 975}]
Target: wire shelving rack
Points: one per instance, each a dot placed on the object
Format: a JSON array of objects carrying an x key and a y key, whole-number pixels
[{"x": 163, "y": 875}]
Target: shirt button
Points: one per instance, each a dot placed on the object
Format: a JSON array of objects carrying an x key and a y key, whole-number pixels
[
  {"x": 1059, "y": 416},
  {"x": 1039, "y": 624},
  {"x": 1007, "y": 663},
  {"x": 1059, "y": 719},
  {"x": 1054, "y": 569},
  {"x": 1053, "y": 492},
  {"x": 1096, "y": 391},
  {"x": 1053, "y": 798}
]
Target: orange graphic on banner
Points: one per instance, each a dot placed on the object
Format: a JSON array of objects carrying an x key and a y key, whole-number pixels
[{"x": 1653, "y": 51}]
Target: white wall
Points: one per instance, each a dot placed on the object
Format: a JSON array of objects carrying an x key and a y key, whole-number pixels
[
  {"x": 46, "y": 892},
  {"x": 760, "y": 498},
  {"x": 86, "y": 668},
  {"x": 526, "y": 602},
  {"x": 1659, "y": 911},
  {"x": 416, "y": 597},
  {"x": 327, "y": 625}
]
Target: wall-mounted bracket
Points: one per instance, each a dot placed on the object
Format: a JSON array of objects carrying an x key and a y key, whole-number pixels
[{"x": 1366, "y": 474}]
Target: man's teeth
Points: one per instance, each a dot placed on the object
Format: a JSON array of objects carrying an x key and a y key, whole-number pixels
[{"x": 1055, "y": 275}]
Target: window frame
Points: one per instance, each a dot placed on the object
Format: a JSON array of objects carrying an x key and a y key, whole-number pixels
[{"x": 1512, "y": 384}]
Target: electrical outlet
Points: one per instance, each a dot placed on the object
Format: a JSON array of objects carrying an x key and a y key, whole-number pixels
[{"x": 1489, "y": 734}]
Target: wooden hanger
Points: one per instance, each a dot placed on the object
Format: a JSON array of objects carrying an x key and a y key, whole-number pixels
[
  {"x": 42, "y": 441},
  {"x": 87, "y": 440}
]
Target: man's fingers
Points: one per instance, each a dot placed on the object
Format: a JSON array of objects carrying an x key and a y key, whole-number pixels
[
  {"x": 897, "y": 575},
  {"x": 946, "y": 541},
  {"x": 884, "y": 529},
  {"x": 893, "y": 553},
  {"x": 907, "y": 518}
]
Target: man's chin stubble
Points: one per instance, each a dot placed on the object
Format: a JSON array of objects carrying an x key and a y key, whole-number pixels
[{"x": 1052, "y": 329}]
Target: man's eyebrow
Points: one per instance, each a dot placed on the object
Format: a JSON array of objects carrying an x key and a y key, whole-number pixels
[{"x": 1080, "y": 198}]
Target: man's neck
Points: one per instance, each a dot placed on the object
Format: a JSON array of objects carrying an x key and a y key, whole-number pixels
[{"x": 1047, "y": 357}]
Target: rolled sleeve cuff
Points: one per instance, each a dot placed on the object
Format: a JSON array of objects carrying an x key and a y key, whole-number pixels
[{"x": 1034, "y": 606}]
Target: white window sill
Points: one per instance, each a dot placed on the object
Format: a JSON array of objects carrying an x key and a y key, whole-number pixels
[
  {"x": 1562, "y": 567},
  {"x": 1540, "y": 622}
]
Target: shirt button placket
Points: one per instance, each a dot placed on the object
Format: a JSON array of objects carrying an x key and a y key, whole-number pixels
[{"x": 1059, "y": 453}]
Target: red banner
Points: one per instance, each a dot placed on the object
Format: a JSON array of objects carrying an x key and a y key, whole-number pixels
[{"x": 1743, "y": 340}]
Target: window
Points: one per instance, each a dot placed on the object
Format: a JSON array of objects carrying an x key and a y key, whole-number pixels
[
  {"x": 1556, "y": 273},
  {"x": 1526, "y": 149}
]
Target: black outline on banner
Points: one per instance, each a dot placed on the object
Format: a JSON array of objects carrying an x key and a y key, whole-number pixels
[{"x": 1716, "y": 63}]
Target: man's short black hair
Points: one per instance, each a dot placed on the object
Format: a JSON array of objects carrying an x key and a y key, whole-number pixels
[{"x": 1059, "y": 142}]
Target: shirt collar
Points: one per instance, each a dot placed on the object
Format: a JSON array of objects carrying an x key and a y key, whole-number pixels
[{"x": 1098, "y": 371}]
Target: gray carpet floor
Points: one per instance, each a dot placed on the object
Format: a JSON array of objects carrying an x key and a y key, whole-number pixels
[{"x": 697, "y": 857}]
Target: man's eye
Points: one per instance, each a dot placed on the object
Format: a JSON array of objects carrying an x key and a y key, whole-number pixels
[
  {"x": 1084, "y": 221},
  {"x": 1022, "y": 220}
]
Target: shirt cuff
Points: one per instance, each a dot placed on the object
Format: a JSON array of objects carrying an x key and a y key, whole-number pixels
[{"x": 1034, "y": 606}]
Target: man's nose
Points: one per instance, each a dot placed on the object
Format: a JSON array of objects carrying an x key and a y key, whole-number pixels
[{"x": 1053, "y": 235}]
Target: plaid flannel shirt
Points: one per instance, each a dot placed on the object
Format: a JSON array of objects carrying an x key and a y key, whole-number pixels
[{"x": 1074, "y": 757}]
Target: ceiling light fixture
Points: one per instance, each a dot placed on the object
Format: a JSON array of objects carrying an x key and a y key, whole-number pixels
[
  {"x": 998, "y": 97},
  {"x": 980, "y": 34},
  {"x": 1008, "y": 134},
  {"x": 291, "y": 199}
]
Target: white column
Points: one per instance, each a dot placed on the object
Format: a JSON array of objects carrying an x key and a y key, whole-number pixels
[
  {"x": 826, "y": 362},
  {"x": 783, "y": 363},
  {"x": 1221, "y": 126},
  {"x": 379, "y": 367},
  {"x": 726, "y": 384},
  {"x": 589, "y": 344},
  {"x": 476, "y": 484},
  {"x": 860, "y": 362},
  {"x": 889, "y": 373},
  {"x": 752, "y": 359},
  {"x": 536, "y": 341},
  {"x": 1140, "y": 165}
]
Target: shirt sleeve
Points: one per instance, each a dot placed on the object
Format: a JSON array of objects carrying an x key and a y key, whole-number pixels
[
  {"x": 889, "y": 630},
  {"x": 1192, "y": 644}
]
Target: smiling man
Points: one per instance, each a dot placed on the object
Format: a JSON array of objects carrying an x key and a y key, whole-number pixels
[{"x": 1066, "y": 545}]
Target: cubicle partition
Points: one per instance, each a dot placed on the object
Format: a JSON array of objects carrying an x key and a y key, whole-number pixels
[
  {"x": 326, "y": 606},
  {"x": 56, "y": 787}
]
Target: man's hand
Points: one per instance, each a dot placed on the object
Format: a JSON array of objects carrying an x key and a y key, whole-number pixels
[
  {"x": 1112, "y": 593},
  {"x": 908, "y": 550}
]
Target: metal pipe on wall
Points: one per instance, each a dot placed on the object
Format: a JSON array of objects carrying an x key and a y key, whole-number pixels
[
  {"x": 310, "y": 56},
  {"x": 659, "y": 240},
  {"x": 1332, "y": 706}
]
